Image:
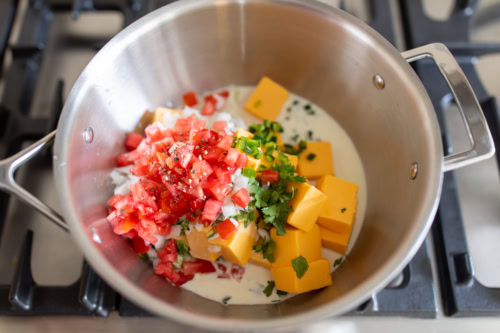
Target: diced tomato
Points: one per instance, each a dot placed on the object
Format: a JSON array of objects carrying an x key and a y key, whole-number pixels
[
  {"x": 140, "y": 168},
  {"x": 237, "y": 272},
  {"x": 168, "y": 271},
  {"x": 241, "y": 198},
  {"x": 127, "y": 158},
  {"x": 196, "y": 205},
  {"x": 232, "y": 156},
  {"x": 131, "y": 234},
  {"x": 140, "y": 246},
  {"x": 225, "y": 143},
  {"x": 220, "y": 126},
  {"x": 183, "y": 125},
  {"x": 169, "y": 253},
  {"x": 179, "y": 205},
  {"x": 225, "y": 228},
  {"x": 163, "y": 145},
  {"x": 140, "y": 195},
  {"x": 114, "y": 199},
  {"x": 190, "y": 99},
  {"x": 217, "y": 189},
  {"x": 198, "y": 125},
  {"x": 197, "y": 266},
  {"x": 242, "y": 161},
  {"x": 154, "y": 132},
  {"x": 125, "y": 225},
  {"x": 143, "y": 147},
  {"x": 223, "y": 93},
  {"x": 181, "y": 153},
  {"x": 164, "y": 228},
  {"x": 222, "y": 175},
  {"x": 209, "y": 108},
  {"x": 269, "y": 176},
  {"x": 200, "y": 170},
  {"x": 211, "y": 154},
  {"x": 133, "y": 140},
  {"x": 211, "y": 210}
]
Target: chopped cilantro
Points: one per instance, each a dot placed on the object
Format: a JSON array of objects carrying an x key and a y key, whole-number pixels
[
  {"x": 267, "y": 250},
  {"x": 143, "y": 256},
  {"x": 184, "y": 223},
  {"x": 257, "y": 103},
  {"x": 289, "y": 149},
  {"x": 307, "y": 107},
  {"x": 311, "y": 156},
  {"x": 288, "y": 109},
  {"x": 295, "y": 102},
  {"x": 178, "y": 263},
  {"x": 182, "y": 247},
  {"x": 226, "y": 299},
  {"x": 338, "y": 261},
  {"x": 268, "y": 290},
  {"x": 300, "y": 266},
  {"x": 295, "y": 138},
  {"x": 309, "y": 135},
  {"x": 343, "y": 210},
  {"x": 281, "y": 293}
]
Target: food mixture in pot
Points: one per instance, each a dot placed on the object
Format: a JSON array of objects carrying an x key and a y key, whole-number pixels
[{"x": 241, "y": 214}]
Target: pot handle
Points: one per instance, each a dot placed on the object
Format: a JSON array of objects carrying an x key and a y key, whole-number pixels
[
  {"x": 482, "y": 146},
  {"x": 8, "y": 183}
]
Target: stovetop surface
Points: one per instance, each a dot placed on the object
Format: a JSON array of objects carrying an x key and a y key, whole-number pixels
[{"x": 51, "y": 41}]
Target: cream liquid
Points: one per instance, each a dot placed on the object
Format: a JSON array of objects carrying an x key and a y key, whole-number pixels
[{"x": 347, "y": 165}]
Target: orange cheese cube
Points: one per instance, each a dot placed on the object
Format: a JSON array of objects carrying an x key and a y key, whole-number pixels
[
  {"x": 307, "y": 204},
  {"x": 200, "y": 247},
  {"x": 240, "y": 132},
  {"x": 317, "y": 276},
  {"x": 336, "y": 241},
  {"x": 256, "y": 258},
  {"x": 320, "y": 165},
  {"x": 340, "y": 210},
  {"x": 237, "y": 248},
  {"x": 160, "y": 112},
  {"x": 293, "y": 159},
  {"x": 279, "y": 140},
  {"x": 296, "y": 243},
  {"x": 267, "y": 99}
]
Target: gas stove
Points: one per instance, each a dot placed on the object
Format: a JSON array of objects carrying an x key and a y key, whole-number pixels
[{"x": 45, "y": 44}]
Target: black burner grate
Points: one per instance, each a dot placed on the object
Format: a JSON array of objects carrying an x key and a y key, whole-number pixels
[{"x": 462, "y": 294}]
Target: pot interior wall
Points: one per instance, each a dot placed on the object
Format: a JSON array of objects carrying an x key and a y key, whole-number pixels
[{"x": 327, "y": 59}]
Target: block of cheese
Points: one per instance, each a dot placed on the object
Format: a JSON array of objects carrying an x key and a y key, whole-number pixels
[
  {"x": 316, "y": 160},
  {"x": 160, "y": 112},
  {"x": 279, "y": 140},
  {"x": 340, "y": 210},
  {"x": 267, "y": 99},
  {"x": 200, "y": 247},
  {"x": 317, "y": 276},
  {"x": 307, "y": 204},
  {"x": 336, "y": 241},
  {"x": 240, "y": 132},
  {"x": 256, "y": 258},
  {"x": 237, "y": 248},
  {"x": 293, "y": 159},
  {"x": 296, "y": 243}
]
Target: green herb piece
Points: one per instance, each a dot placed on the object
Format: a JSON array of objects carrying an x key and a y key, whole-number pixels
[
  {"x": 338, "y": 261},
  {"x": 295, "y": 102},
  {"x": 262, "y": 167},
  {"x": 268, "y": 290},
  {"x": 309, "y": 135},
  {"x": 295, "y": 138},
  {"x": 343, "y": 210},
  {"x": 184, "y": 223},
  {"x": 249, "y": 172},
  {"x": 307, "y": 106},
  {"x": 178, "y": 263},
  {"x": 182, "y": 247},
  {"x": 288, "y": 109},
  {"x": 311, "y": 156},
  {"x": 257, "y": 103},
  {"x": 276, "y": 127},
  {"x": 287, "y": 118},
  {"x": 235, "y": 141},
  {"x": 210, "y": 234},
  {"x": 289, "y": 149},
  {"x": 281, "y": 293},
  {"x": 300, "y": 266},
  {"x": 268, "y": 250},
  {"x": 226, "y": 299},
  {"x": 311, "y": 113},
  {"x": 144, "y": 256},
  {"x": 242, "y": 143}
]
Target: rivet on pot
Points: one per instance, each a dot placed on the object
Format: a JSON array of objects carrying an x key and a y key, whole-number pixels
[
  {"x": 88, "y": 135},
  {"x": 413, "y": 171},
  {"x": 378, "y": 81}
]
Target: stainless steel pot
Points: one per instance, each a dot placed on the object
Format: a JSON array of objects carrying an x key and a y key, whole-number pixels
[{"x": 312, "y": 49}]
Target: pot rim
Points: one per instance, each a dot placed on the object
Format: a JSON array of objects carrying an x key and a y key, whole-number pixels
[{"x": 98, "y": 261}]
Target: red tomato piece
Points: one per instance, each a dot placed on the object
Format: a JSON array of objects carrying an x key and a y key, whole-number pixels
[
  {"x": 237, "y": 272},
  {"x": 211, "y": 154},
  {"x": 198, "y": 125},
  {"x": 140, "y": 246},
  {"x": 211, "y": 210},
  {"x": 220, "y": 126},
  {"x": 163, "y": 145},
  {"x": 241, "y": 198},
  {"x": 183, "y": 125},
  {"x": 197, "y": 266},
  {"x": 217, "y": 189},
  {"x": 225, "y": 228},
  {"x": 196, "y": 205},
  {"x": 164, "y": 228},
  {"x": 114, "y": 199},
  {"x": 190, "y": 99},
  {"x": 242, "y": 161},
  {"x": 125, "y": 225},
  {"x": 127, "y": 158},
  {"x": 269, "y": 176},
  {"x": 133, "y": 140},
  {"x": 154, "y": 132},
  {"x": 208, "y": 108},
  {"x": 222, "y": 175},
  {"x": 200, "y": 170},
  {"x": 131, "y": 234},
  {"x": 232, "y": 156},
  {"x": 168, "y": 271},
  {"x": 226, "y": 142},
  {"x": 223, "y": 93}
]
